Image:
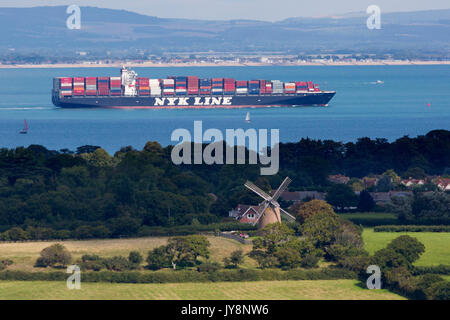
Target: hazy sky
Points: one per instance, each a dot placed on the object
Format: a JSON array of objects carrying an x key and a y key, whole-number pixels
[{"x": 243, "y": 9}]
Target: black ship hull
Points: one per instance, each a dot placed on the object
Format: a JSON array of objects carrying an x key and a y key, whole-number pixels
[{"x": 321, "y": 98}]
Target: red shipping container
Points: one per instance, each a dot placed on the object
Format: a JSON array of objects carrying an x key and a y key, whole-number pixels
[{"x": 91, "y": 92}]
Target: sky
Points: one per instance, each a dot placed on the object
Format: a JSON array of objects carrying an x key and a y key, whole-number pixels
[{"x": 269, "y": 10}]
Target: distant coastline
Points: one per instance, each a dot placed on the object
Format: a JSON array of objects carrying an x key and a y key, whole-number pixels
[{"x": 225, "y": 64}]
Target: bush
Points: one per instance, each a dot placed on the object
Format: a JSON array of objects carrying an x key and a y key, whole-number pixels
[
  {"x": 17, "y": 234},
  {"x": 94, "y": 265},
  {"x": 409, "y": 247},
  {"x": 441, "y": 291},
  {"x": 236, "y": 258},
  {"x": 426, "y": 284},
  {"x": 411, "y": 228},
  {"x": 158, "y": 258},
  {"x": 117, "y": 263},
  {"x": 90, "y": 257},
  {"x": 440, "y": 269},
  {"x": 209, "y": 266},
  {"x": 135, "y": 257},
  {"x": 5, "y": 264},
  {"x": 310, "y": 260},
  {"x": 55, "y": 255}
]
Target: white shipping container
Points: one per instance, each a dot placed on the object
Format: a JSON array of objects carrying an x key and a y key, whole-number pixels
[
  {"x": 169, "y": 81},
  {"x": 115, "y": 78}
]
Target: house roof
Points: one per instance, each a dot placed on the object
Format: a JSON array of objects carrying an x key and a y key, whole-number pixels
[{"x": 300, "y": 195}]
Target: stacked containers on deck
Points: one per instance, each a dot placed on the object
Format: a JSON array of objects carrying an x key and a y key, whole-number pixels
[
  {"x": 91, "y": 86},
  {"x": 217, "y": 86},
  {"x": 78, "y": 86},
  {"x": 301, "y": 86},
  {"x": 168, "y": 87},
  {"x": 268, "y": 87},
  {"x": 65, "y": 86},
  {"x": 241, "y": 87},
  {"x": 103, "y": 86},
  {"x": 289, "y": 87},
  {"x": 181, "y": 86},
  {"x": 116, "y": 86},
  {"x": 155, "y": 87},
  {"x": 310, "y": 86},
  {"x": 253, "y": 87},
  {"x": 229, "y": 85},
  {"x": 205, "y": 86},
  {"x": 277, "y": 87},
  {"x": 262, "y": 87},
  {"x": 192, "y": 85},
  {"x": 143, "y": 86}
]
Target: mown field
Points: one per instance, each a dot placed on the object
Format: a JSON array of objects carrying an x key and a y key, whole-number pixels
[
  {"x": 437, "y": 244},
  {"x": 260, "y": 290}
]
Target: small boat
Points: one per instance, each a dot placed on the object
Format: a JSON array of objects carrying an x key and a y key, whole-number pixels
[
  {"x": 380, "y": 82},
  {"x": 25, "y": 128},
  {"x": 247, "y": 118}
]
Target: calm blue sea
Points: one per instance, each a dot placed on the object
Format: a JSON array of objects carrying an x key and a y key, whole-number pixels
[{"x": 361, "y": 107}]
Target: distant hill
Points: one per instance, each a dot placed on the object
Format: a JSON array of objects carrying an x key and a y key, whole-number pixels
[{"x": 44, "y": 28}]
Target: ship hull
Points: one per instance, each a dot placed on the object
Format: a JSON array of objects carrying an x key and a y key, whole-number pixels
[{"x": 187, "y": 102}]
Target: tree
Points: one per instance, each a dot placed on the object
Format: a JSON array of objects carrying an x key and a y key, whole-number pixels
[
  {"x": 394, "y": 178},
  {"x": 55, "y": 255},
  {"x": 236, "y": 258},
  {"x": 415, "y": 173},
  {"x": 342, "y": 196},
  {"x": 321, "y": 228},
  {"x": 135, "y": 258},
  {"x": 307, "y": 209},
  {"x": 407, "y": 246},
  {"x": 184, "y": 251},
  {"x": 158, "y": 258},
  {"x": 366, "y": 202},
  {"x": 385, "y": 184}
]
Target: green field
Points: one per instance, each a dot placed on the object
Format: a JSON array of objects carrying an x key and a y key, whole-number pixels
[
  {"x": 437, "y": 244},
  {"x": 260, "y": 290}
]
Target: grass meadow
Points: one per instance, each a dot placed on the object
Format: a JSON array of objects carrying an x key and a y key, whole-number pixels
[
  {"x": 437, "y": 244},
  {"x": 25, "y": 254},
  {"x": 259, "y": 290}
]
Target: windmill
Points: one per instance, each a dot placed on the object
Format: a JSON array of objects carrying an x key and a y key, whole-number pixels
[{"x": 269, "y": 210}]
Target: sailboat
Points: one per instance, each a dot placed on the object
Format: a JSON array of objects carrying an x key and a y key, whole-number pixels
[
  {"x": 247, "y": 118},
  {"x": 25, "y": 128}
]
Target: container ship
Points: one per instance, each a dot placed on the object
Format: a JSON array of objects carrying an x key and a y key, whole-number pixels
[{"x": 131, "y": 91}]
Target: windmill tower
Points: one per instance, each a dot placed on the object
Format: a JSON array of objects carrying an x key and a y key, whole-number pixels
[{"x": 269, "y": 210}]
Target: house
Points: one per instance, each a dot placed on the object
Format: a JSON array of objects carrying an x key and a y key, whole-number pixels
[
  {"x": 296, "y": 196},
  {"x": 380, "y": 198},
  {"x": 244, "y": 213},
  {"x": 338, "y": 178},
  {"x": 412, "y": 182},
  {"x": 393, "y": 194},
  {"x": 443, "y": 183},
  {"x": 370, "y": 182}
]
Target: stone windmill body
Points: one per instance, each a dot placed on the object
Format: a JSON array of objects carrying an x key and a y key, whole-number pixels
[{"x": 269, "y": 211}]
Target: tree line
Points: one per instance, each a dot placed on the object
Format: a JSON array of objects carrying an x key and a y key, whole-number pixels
[{"x": 111, "y": 196}]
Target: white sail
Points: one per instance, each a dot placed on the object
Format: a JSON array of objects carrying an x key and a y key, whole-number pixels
[{"x": 247, "y": 118}]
